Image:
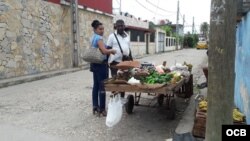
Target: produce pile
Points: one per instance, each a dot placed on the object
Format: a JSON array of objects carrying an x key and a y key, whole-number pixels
[
  {"x": 237, "y": 115},
  {"x": 190, "y": 66},
  {"x": 148, "y": 73},
  {"x": 156, "y": 78},
  {"x": 203, "y": 105}
]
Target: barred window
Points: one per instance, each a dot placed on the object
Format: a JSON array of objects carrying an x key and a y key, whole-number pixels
[{"x": 135, "y": 34}]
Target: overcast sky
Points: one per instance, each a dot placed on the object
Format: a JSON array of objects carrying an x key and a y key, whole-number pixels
[{"x": 147, "y": 9}]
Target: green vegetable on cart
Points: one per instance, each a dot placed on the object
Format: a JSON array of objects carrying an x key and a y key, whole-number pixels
[{"x": 155, "y": 78}]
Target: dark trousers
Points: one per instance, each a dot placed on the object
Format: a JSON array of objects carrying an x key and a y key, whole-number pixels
[
  {"x": 100, "y": 73},
  {"x": 114, "y": 73},
  {"x": 205, "y": 71}
]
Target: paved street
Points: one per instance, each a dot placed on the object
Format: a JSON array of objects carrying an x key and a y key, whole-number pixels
[{"x": 59, "y": 108}]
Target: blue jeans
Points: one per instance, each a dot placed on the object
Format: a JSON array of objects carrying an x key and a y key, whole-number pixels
[{"x": 100, "y": 73}]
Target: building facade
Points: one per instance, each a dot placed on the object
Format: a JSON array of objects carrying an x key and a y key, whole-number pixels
[
  {"x": 242, "y": 57},
  {"x": 35, "y": 35}
]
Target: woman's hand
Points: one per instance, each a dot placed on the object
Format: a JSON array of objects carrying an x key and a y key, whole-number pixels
[{"x": 104, "y": 50}]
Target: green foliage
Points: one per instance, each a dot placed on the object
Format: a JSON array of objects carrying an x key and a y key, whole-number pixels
[
  {"x": 190, "y": 40},
  {"x": 204, "y": 28},
  {"x": 168, "y": 30},
  {"x": 151, "y": 25},
  {"x": 181, "y": 40},
  {"x": 196, "y": 38}
]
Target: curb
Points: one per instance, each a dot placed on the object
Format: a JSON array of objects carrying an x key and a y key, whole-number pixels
[{"x": 183, "y": 131}]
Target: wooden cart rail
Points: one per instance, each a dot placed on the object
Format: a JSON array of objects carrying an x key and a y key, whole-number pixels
[{"x": 134, "y": 88}]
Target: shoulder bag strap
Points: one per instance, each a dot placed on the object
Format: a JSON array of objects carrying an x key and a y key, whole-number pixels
[{"x": 118, "y": 43}]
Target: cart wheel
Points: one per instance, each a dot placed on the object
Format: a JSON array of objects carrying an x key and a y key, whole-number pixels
[
  {"x": 160, "y": 99},
  {"x": 172, "y": 108},
  {"x": 130, "y": 104}
]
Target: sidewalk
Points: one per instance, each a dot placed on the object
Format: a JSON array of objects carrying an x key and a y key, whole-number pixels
[
  {"x": 12, "y": 133},
  {"x": 184, "y": 129}
]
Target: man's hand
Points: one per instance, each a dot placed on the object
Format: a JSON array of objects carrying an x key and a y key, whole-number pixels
[{"x": 112, "y": 51}]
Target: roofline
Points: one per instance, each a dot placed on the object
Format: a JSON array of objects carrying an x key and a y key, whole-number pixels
[{"x": 140, "y": 28}]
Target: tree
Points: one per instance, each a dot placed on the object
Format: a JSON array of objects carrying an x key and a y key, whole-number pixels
[
  {"x": 204, "y": 29},
  {"x": 195, "y": 38},
  {"x": 190, "y": 40},
  {"x": 151, "y": 25},
  {"x": 168, "y": 30},
  {"x": 221, "y": 59}
]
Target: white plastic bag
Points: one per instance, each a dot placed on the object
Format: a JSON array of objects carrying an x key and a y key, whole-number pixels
[
  {"x": 114, "y": 111},
  {"x": 133, "y": 81}
]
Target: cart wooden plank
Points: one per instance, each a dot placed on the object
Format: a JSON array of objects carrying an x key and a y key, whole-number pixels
[{"x": 134, "y": 88}]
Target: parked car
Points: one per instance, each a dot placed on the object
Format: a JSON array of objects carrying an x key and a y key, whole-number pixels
[{"x": 202, "y": 45}]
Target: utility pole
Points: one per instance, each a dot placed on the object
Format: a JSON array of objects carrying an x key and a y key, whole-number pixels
[
  {"x": 75, "y": 31},
  {"x": 183, "y": 23},
  {"x": 182, "y": 46},
  {"x": 221, "y": 67},
  {"x": 120, "y": 8},
  {"x": 177, "y": 26},
  {"x": 193, "y": 26}
]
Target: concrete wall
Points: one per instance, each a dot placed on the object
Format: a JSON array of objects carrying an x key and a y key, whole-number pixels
[
  {"x": 242, "y": 66},
  {"x": 138, "y": 48},
  {"x": 35, "y": 36},
  {"x": 170, "y": 45},
  {"x": 152, "y": 48}
]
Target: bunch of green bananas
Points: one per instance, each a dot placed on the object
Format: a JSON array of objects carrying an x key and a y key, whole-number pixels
[
  {"x": 190, "y": 66},
  {"x": 176, "y": 78},
  {"x": 237, "y": 115}
]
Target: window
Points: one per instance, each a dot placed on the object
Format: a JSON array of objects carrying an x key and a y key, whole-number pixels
[
  {"x": 135, "y": 34},
  {"x": 152, "y": 37}
]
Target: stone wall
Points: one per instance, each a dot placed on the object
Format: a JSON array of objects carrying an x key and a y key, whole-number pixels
[
  {"x": 86, "y": 31},
  {"x": 35, "y": 36}
]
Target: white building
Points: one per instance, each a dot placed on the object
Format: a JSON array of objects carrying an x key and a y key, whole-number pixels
[{"x": 145, "y": 40}]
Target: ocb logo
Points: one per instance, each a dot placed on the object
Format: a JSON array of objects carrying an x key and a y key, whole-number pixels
[{"x": 236, "y": 132}]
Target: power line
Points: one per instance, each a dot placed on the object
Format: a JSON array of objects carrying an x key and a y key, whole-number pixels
[
  {"x": 181, "y": 14},
  {"x": 118, "y": 2},
  {"x": 152, "y": 10},
  {"x": 157, "y": 6}
]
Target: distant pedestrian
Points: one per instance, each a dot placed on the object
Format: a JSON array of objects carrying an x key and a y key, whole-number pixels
[
  {"x": 205, "y": 71},
  {"x": 100, "y": 71}
]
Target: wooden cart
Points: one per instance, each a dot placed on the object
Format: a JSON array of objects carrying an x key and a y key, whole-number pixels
[{"x": 167, "y": 91}]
